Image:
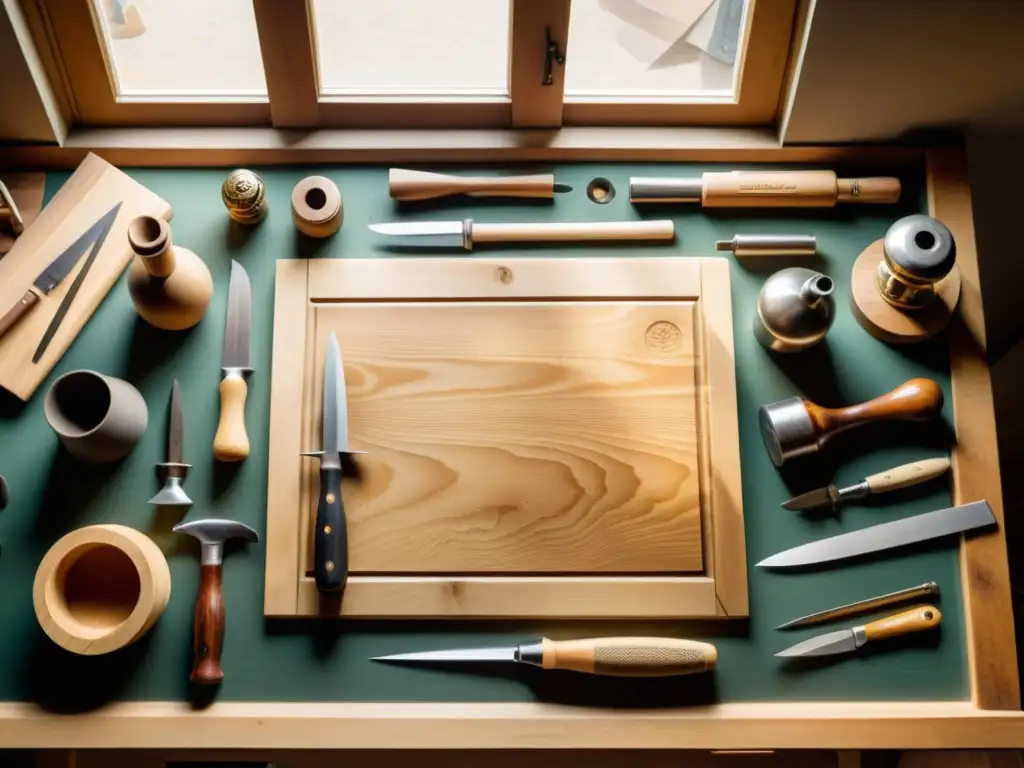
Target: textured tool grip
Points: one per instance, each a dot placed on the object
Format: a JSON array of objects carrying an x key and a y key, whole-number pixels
[
  {"x": 231, "y": 442},
  {"x": 630, "y": 656},
  {"x": 208, "y": 631},
  {"x": 916, "y": 619},
  {"x": 906, "y": 475},
  {"x": 19, "y": 310},
  {"x": 330, "y": 540}
]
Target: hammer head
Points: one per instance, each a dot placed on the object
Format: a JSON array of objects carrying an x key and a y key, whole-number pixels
[
  {"x": 787, "y": 430},
  {"x": 213, "y": 532}
]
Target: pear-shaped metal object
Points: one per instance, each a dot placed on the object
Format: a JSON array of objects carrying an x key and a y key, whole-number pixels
[{"x": 795, "y": 309}]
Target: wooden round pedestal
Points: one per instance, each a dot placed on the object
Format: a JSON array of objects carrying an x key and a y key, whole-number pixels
[
  {"x": 101, "y": 588},
  {"x": 896, "y": 326}
]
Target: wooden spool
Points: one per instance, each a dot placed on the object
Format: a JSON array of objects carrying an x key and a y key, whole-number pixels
[
  {"x": 101, "y": 588},
  {"x": 316, "y": 206},
  {"x": 890, "y": 324}
]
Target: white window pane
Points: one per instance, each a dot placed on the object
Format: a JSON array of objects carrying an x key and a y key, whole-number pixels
[
  {"x": 183, "y": 47},
  {"x": 412, "y": 46},
  {"x": 653, "y": 48}
]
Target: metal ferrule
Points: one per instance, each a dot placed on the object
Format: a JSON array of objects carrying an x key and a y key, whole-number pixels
[
  {"x": 236, "y": 373},
  {"x": 467, "y": 234},
  {"x": 212, "y": 553},
  {"x": 859, "y": 491},
  {"x": 643, "y": 189},
  {"x": 770, "y": 245},
  {"x": 860, "y": 636},
  {"x": 530, "y": 653}
]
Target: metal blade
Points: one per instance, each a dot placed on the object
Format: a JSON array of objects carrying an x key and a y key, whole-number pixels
[
  {"x": 877, "y": 538},
  {"x": 841, "y": 641},
  {"x": 239, "y": 321},
  {"x": 819, "y": 497},
  {"x": 176, "y": 428},
  {"x": 61, "y": 266},
  {"x": 335, "y": 432},
  {"x": 433, "y": 234},
  {"x": 464, "y": 654},
  {"x": 559, "y": 187}
]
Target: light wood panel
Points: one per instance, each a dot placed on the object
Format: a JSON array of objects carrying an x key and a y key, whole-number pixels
[
  {"x": 87, "y": 196},
  {"x": 984, "y": 571},
  {"x": 532, "y": 436},
  {"x": 535, "y": 105},
  {"x": 480, "y": 725},
  {"x": 519, "y": 437}
]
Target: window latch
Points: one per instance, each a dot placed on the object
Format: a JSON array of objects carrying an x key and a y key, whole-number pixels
[{"x": 553, "y": 55}]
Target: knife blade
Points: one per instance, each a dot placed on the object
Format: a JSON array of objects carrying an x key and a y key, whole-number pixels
[
  {"x": 893, "y": 479},
  {"x": 450, "y": 234},
  {"x": 58, "y": 269},
  {"x": 878, "y": 538},
  {"x": 173, "y": 467},
  {"x": 330, "y": 536},
  {"x": 846, "y": 640},
  {"x": 231, "y": 443},
  {"x": 616, "y": 656}
]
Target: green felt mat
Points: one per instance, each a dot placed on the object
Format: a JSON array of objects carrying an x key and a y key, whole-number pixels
[{"x": 326, "y": 660}]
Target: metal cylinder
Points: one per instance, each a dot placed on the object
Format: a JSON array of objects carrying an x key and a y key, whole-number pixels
[
  {"x": 770, "y": 245},
  {"x": 918, "y": 252},
  {"x": 795, "y": 309},
  {"x": 643, "y": 189}
]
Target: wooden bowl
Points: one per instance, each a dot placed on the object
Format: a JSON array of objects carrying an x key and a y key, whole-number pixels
[{"x": 101, "y": 588}]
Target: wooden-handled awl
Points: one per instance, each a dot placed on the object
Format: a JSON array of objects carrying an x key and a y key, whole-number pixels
[
  {"x": 231, "y": 443},
  {"x": 893, "y": 479},
  {"x": 408, "y": 185},
  {"x": 796, "y": 427},
  {"x": 208, "y": 631},
  {"x": 614, "y": 656}
]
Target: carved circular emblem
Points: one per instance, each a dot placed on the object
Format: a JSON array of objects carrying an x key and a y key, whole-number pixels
[{"x": 664, "y": 337}]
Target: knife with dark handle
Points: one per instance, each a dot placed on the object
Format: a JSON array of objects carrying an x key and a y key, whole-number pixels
[
  {"x": 330, "y": 541},
  {"x": 19, "y": 310}
]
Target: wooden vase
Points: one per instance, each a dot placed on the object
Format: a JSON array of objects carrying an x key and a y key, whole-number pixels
[{"x": 170, "y": 286}]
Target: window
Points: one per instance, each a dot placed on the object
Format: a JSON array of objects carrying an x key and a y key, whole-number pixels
[{"x": 417, "y": 63}]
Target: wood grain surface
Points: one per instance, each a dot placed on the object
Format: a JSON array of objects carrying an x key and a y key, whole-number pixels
[
  {"x": 520, "y": 437},
  {"x": 91, "y": 192}
]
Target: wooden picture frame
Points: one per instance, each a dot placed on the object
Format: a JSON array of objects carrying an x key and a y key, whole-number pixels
[{"x": 720, "y": 590}]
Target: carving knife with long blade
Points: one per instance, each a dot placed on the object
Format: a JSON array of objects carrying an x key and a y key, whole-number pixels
[
  {"x": 615, "y": 656},
  {"x": 846, "y": 640},
  {"x": 174, "y": 468},
  {"x": 60, "y": 268},
  {"x": 231, "y": 443},
  {"x": 330, "y": 536},
  {"x": 877, "y": 538},
  {"x": 454, "y": 234}
]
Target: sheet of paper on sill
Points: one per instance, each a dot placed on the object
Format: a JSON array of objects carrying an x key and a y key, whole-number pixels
[{"x": 675, "y": 19}]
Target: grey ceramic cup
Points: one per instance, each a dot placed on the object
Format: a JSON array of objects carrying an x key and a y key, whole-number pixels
[{"x": 97, "y": 418}]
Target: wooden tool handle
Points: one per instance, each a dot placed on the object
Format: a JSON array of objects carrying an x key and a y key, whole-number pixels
[
  {"x": 19, "y": 310},
  {"x": 630, "y": 656},
  {"x": 231, "y": 443},
  {"x": 878, "y": 189},
  {"x": 420, "y": 185},
  {"x": 907, "y": 475},
  {"x": 914, "y": 400},
  {"x": 330, "y": 540},
  {"x": 588, "y": 230},
  {"x": 769, "y": 189},
  {"x": 208, "y": 631},
  {"x": 916, "y": 619}
]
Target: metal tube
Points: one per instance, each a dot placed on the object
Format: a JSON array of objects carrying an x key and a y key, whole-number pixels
[{"x": 770, "y": 245}]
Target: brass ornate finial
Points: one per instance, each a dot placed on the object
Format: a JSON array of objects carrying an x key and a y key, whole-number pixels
[{"x": 245, "y": 196}]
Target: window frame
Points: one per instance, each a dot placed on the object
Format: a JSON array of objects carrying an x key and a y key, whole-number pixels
[{"x": 70, "y": 32}]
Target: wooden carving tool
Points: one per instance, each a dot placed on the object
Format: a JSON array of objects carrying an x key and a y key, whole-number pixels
[
  {"x": 452, "y": 234},
  {"x": 765, "y": 189},
  {"x": 846, "y": 640},
  {"x": 881, "y": 482},
  {"x": 420, "y": 185},
  {"x": 231, "y": 443}
]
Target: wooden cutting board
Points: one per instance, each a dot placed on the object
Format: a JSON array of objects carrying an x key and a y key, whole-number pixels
[
  {"x": 543, "y": 436},
  {"x": 92, "y": 191}
]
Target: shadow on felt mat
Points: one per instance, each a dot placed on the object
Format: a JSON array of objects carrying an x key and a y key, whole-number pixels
[
  {"x": 66, "y": 683},
  {"x": 579, "y": 689},
  {"x": 70, "y": 489},
  {"x": 150, "y": 348}
]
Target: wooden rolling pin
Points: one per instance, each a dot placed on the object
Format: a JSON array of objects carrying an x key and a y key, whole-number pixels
[
  {"x": 408, "y": 185},
  {"x": 765, "y": 189}
]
